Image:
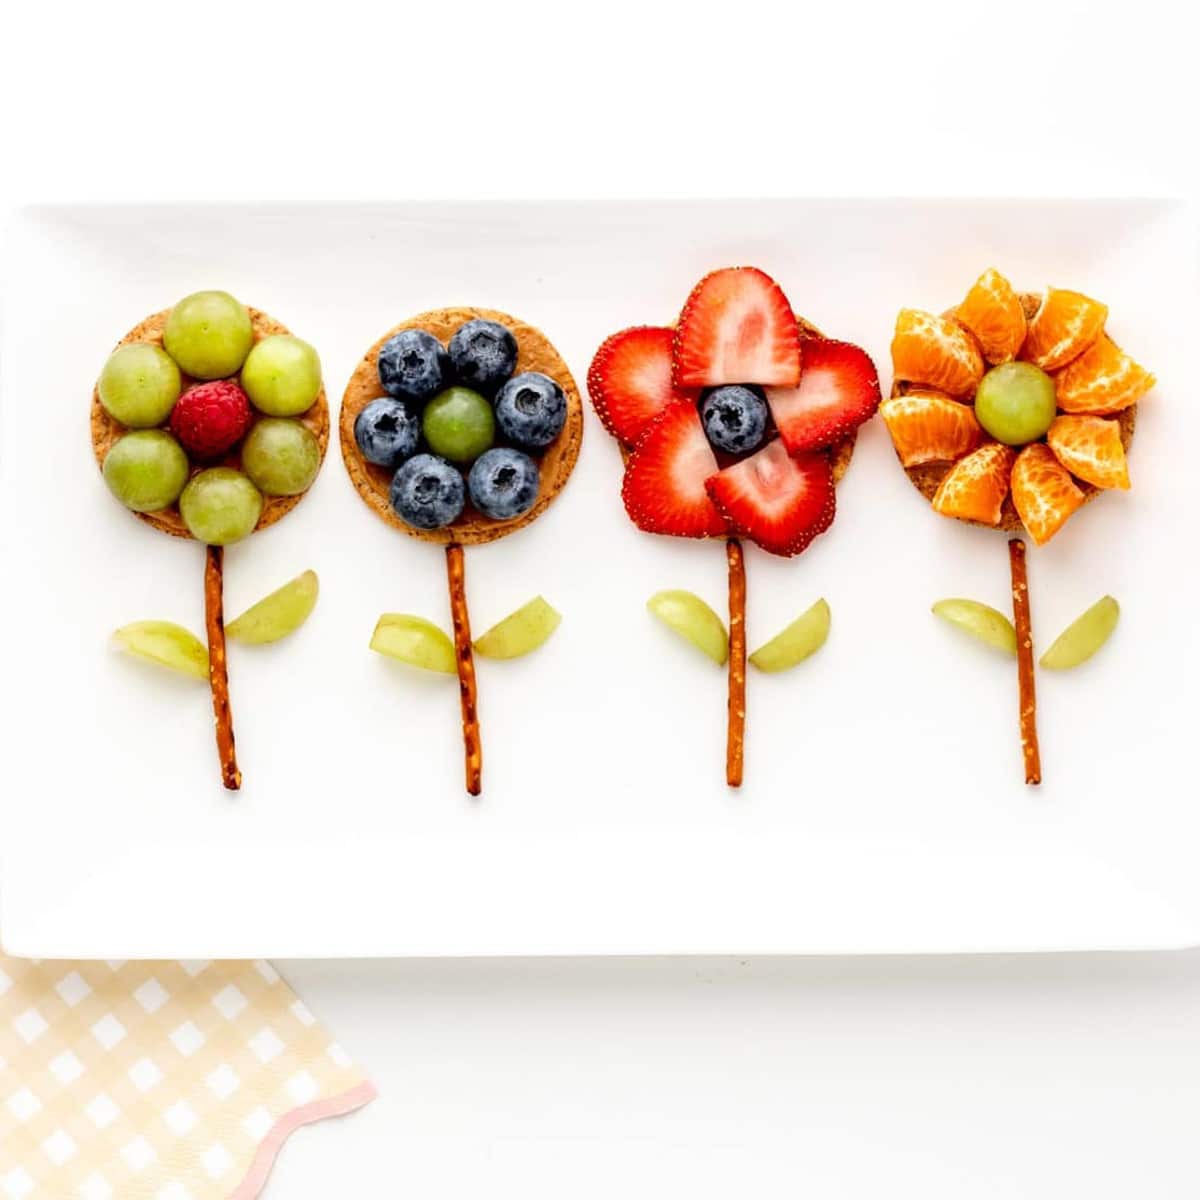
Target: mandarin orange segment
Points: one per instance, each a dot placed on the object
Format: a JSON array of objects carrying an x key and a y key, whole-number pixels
[
  {"x": 928, "y": 426},
  {"x": 992, "y": 312},
  {"x": 1064, "y": 326},
  {"x": 1090, "y": 447},
  {"x": 936, "y": 352},
  {"x": 1043, "y": 492},
  {"x": 974, "y": 489},
  {"x": 1103, "y": 379}
]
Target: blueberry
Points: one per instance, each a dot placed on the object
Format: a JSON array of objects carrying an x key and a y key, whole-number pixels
[
  {"x": 427, "y": 492},
  {"x": 387, "y": 431},
  {"x": 531, "y": 410},
  {"x": 734, "y": 417},
  {"x": 413, "y": 365},
  {"x": 503, "y": 483},
  {"x": 483, "y": 354}
]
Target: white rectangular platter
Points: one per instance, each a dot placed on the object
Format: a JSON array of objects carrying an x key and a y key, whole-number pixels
[{"x": 883, "y": 810}]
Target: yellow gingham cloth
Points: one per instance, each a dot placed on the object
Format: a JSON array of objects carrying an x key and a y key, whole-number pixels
[{"x": 157, "y": 1080}]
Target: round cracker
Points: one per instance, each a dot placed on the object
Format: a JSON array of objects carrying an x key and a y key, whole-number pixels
[
  {"x": 472, "y": 528},
  {"x": 927, "y": 477},
  {"x": 106, "y": 429}
]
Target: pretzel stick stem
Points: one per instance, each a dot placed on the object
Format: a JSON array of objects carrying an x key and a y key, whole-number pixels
[
  {"x": 736, "y": 737},
  {"x": 218, "y": 668},
  {"x": 1025, "y": 684},
  {"x": 465, "y": 660}
]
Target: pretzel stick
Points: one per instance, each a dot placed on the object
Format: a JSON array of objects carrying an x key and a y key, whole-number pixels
[
  {"x": 473, "y": 747},
  {"x": 1028, "y": 698},
  {"x": 737, "y": 663},
  {"x": 218, "y": 670}
]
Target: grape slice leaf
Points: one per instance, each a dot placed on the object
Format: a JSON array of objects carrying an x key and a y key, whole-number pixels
[
  {"x": 521, "y": 632},
  {"x": 798, "y": 641},
  {"x": 415, "y": 641},
  {"x": 279, "y": 614},
  {"x": 1084, "y": 636},
  {"x": 166, "y": 645},
  {"x": 981, "y": 621},
  {"x": 691, "y": 618}
]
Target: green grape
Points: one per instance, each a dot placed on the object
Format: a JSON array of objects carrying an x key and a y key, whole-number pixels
[
  {"x": 277, "y": 615},
  {"x": 282, "y": 376},
  {"x": 1015, "y": 403},
  {"x": 281, "y": 456},
  {"x": 690, "y": 617},
  {"x": 415, "y": 641},
  {"x": 458, "y": 424},
  {"x": 220, "y": 506},
  {"x": 1084, "y": 636},
  {"x": 139, "y": 385},
  {"x": 165, "y": 644},
  {"x": 803, "y": 637},
  {"x": 209, "y": 334},
  {"x": 981, "y": 621},
  {"x": 146, "y": 470},
  {"x": 520, "y": 632}
]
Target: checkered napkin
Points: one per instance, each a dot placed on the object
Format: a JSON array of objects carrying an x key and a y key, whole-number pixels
[{"x": 157, "y": 1080}]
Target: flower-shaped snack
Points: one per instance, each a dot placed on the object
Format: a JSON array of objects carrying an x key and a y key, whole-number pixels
[
  {"x": 736, "y": 422},
  {"x": 209, "y": 421},
  {"x": 1013, "y": 410},
  {"x": 459, "y": 427}
]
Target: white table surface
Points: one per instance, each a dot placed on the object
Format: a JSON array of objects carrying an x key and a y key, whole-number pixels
[
  {"x": 1014, "y": 1078},
  {"x": 1006, "y": 1078}
]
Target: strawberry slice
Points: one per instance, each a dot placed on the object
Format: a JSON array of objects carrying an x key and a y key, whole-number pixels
[
  {"x": 629, "y": 380},
  {"x": 839, "y": 390},
  {"x": 737, "y": 327},
  {"x": 780, "y": 501},
  {"x": 664, "y": 479}
]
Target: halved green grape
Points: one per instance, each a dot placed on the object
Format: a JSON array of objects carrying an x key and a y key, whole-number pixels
[
  {"x": 282, "y": 376},
  {"x": 691, "y": 618},
  {"x": 165, "y": 644},
  {"x": 209, "y": 334},
  {"x": 281, "y": 456},
  {"x": 981, "y": 621},
  {"x": 1084, "y": 636},
  {"x": 803, "y": 637},
  {"x": 277, "y": 615},
  {"x": 520, "y": 632},
  {"x": 415, "y": 641},
  {"x": 146, "y": 470},
  {"x": 220, "y": 506},
  {"x": 139, "y": 385}
]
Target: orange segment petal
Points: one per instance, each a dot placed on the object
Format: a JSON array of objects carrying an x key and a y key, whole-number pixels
[
  {"x": 936, "y": 352},
  {"x": 1103, "y": 379},
  {"x": 1043, "y": 492},
  {"x": 1063, "y": 327},
  {"x": 992, "y": 312},
  {"x": 974, "y": 489},
  {"x": 1091, "y": 448},
  {"x": 927, "y": 426}
]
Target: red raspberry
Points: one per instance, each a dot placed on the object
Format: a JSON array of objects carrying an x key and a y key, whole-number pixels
[{"x": 211, "y": 418}]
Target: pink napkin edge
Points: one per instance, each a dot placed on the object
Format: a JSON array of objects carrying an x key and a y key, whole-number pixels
[{"x": 264, "y": 1159}]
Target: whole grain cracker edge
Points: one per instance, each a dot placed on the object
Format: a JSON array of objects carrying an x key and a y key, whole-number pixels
[
  {"x": 106, "y": 430},
  {"x": 534, "y": 353},
  {"x": 927, "y": 477}
]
